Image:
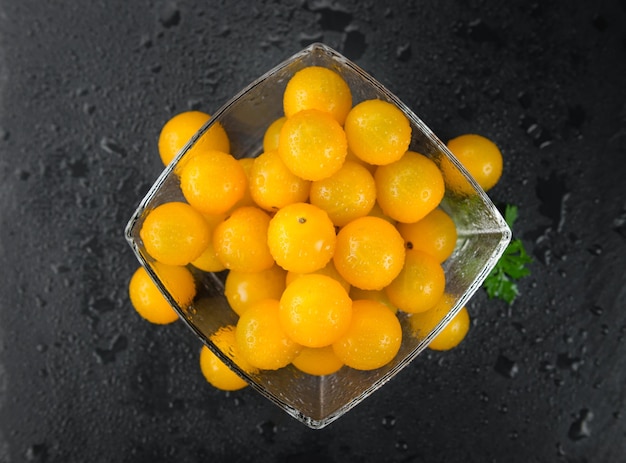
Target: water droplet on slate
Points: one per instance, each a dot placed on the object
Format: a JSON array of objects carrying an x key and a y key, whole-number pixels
[
  {"x": 354, "y": 44},
  {"x": 481, "y": 32},
  {"x": 119, "y": 344},
  {"x": 506, "y": 367},
  {"x": 619, "y": 224},
  {"x": 332, "y": 17},
  {"x": 59, "y": 268},
  {"x": 88, "y": 109},
  {"x": 546, "y": 366},
  {"x": 600, "y": 23},
  {"x": 224, "y": 31},
  {"x": 267, "y": 430},
  {"x": 595, "y": 249},
  {"x": 307, "y": 39},
  {"x": 553, "y": 194},
  {"x": 403, "y": 52},
  {"x": 389, "y": 421},
  {"x": 597, "y": 310},
  {"x": 101, "y": 305},
  {"x": 541, "y": 137},
  {"x": 111, "y": 146},
  {"x": 22, "y": 174},
  {"x": 566, "y": 362},
  {"x": 37, "y": 452},
  {"x": 576, "y": 116},
  {"x": 580, "y": 429},
  {"x": 4, "y": 134},
  {"x": 78, "y": 168},
  {"x": 524, "y": 99},
  {"x": 402, "y": 445},
  {"x": 169, "y": 15},
  {"x": 560, "y": 451},
  {"x": 145, "y": 41}
]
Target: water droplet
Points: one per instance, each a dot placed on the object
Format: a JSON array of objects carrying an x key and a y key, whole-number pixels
[
  {"x": 267, "y": 430},
  {"x": 78, "y": 168},
  {"x": 595, "y": 249},
  {"x": 403, "y": 52},
  {"x": 597, "y": 310},
  {"x": 354, "y": 44},
  {"x": 506, "y": 367},
  {"x": 580, "y": 429},
  {"x": 108, "y": 355},
  {"x": 546, "y": 366},
  {"x": 553, "y": 193},
  {"x": 88, "y": 108},
  {"x": 560, "y": 451},
  {"x": 224, "y": 31},
  {"x": 307, "y": 39},
  {"x": 111, "y": 146},
  {"x": 389, "y": 421},
  {"x": 145, "y": 41},
  {"x": 600, "y": 23},
  {"x": 619, "y": 224},
  {"x": 100, "y": 305},
  {"x": 541, "y": 137},
  {"x": 481, "y": 32},
  {"x": 402, "y": 445},
  {"x": 566, "y": 362},
  {"x": 576, "y": 116},
  {"x": 521, "y": 328},
  {"x": 4, "y": 134},
  {"x": 23, "y": 175},
  {"x": 59, "y": 268},
  {"x": 524, "y": 99},
  {"x": 37, "y": 452},
  {"x": 332, "y": 17},
  {"x": 169, "y": 15}
]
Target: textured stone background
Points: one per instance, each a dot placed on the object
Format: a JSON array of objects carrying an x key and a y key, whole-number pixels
[{"x": 84, "y": 90}]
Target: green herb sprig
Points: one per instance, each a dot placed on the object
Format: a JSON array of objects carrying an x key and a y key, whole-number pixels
[{"x": 502, "y": 281}]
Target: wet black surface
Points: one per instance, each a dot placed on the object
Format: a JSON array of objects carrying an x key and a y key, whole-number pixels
[{"x": 84, "y": 91}]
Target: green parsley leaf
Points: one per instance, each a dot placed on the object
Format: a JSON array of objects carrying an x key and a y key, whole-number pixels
[{"x": 501, "y": 282}]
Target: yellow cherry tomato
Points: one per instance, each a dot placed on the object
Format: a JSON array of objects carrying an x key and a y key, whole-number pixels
[
  {"x": 178, "y": 130},
  {"x": 175, "y": 233},
  {"x": 480, "y": 156},
  {"x": 312, "y": 144},
  {"x": 377, "y": 132},
  {"x": 320, "y": 88},
  {"x": 373, "y": 338},
  {"x": 315, "y": 310},
  {"x": 148, "y": 300}
]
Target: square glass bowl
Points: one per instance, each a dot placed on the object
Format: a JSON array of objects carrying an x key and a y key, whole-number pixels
[{"x": 482, "y": 237}]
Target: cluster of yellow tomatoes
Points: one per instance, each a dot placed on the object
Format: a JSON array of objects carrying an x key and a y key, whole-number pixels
[{"x": 326, "y": 235}]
